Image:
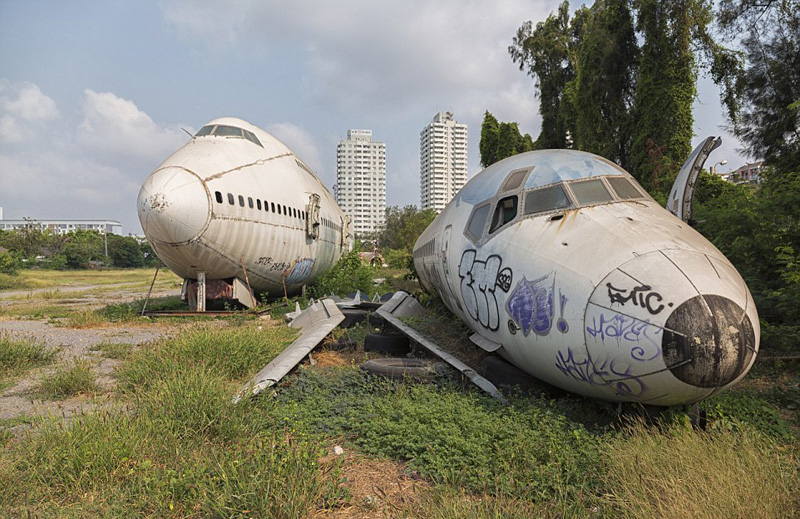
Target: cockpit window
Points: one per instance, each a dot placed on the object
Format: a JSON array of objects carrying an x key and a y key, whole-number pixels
[
  {"x": 250, "y": 136},
  {"x": 221, "y": 130},
  {"x": 477, "y": 222},
  {"x": 624, "y": 189},
  {"x": 590, "y": 192},
  {"x": 228, "y": 131},
  {"x": 546, "y": 199},
  {"x": 205, "y": 130},
  {"x": 505, "y": 212}
]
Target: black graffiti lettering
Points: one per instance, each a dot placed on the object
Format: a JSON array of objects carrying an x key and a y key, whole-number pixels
[{"x": 642, "y": 296}]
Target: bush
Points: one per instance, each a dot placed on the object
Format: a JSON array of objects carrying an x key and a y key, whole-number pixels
[
  {"x": 69, "y": 381},
  {"x": 9, "y": 264},
  {"x": 347, "y": 276}
]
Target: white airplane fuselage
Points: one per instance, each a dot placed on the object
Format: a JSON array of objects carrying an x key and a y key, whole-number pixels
[
  {"x": 235, "y": 202},
  {"x": 564, "y": 265}
]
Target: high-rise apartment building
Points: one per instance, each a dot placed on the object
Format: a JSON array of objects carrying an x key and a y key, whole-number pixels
[
  {"x": 361, "y": 181},
  {"x": 442, "y": 160}
]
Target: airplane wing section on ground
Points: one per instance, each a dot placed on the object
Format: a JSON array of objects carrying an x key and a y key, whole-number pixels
[
  {"x": 316, "y": 322},
  {"x": 405, "y": 305}
]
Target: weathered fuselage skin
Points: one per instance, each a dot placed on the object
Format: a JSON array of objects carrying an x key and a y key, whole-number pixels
[
  {"x": 285, "y": 231},
  {"x": 618, "y": 300}
]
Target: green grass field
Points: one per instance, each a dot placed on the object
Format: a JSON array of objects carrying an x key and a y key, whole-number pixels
[{"x": 175, "y": 445}]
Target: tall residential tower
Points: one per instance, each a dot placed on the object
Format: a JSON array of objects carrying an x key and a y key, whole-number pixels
[
  {"x": 442, "y": 160},
  {"x": 361, "y": 181}
]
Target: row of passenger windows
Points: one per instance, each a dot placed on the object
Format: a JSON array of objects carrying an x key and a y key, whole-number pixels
[
  {"x": 272, "y": 207},
  {"x": 426, "y": 250},
  {"x": 221, "y": 130},
  {"x": 552, "y": 198}
]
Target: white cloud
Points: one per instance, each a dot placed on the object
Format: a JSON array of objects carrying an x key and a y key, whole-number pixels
[
  {"x": 23, "y": 110},
  {"x": 115, "y": 128},
  {"x": 300, "y": 141},
  {"x": 389, "y": 57},
  {"x": 88, "y": 166}
]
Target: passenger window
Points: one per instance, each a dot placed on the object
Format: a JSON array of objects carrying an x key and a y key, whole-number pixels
[
  {"x": 266, "y": 205},
  {"x": 250, "y": 201},
  {"x": 273, "y": 206},
  {"x": 590, "y": 191},
  {"x": 230, "y": 199},
  {"x": 241, "y": 200},
  {"x": 218, "y": 196},
  {"x": 477, "y": 222},
  {"x": 624, "y": 189},
  {"x": 546, "y": 199},
  {"x": 258, "y": 204},
  {"x": 279, "y": 209},
  {"x": 505, "y": 212}
]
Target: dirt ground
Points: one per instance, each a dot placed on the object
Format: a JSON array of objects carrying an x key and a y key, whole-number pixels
[{"x": 20, "y": 401}]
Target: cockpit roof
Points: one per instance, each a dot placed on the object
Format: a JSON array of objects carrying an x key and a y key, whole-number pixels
[{"x": 549, "y": 167}]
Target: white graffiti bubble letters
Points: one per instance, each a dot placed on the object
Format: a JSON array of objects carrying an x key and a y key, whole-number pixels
[{"x": 479, "y": 283}]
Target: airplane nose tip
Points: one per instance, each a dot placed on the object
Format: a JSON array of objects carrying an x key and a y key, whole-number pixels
[
  {"x": 173, "y": 206},
  {"x": 708, "y": 341}
]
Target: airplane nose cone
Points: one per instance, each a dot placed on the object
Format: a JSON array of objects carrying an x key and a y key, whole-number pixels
[
  {"x": 174, "y": 206},
  {"x": 709, "y": 341},
  {"x": 671, "y": 314}
]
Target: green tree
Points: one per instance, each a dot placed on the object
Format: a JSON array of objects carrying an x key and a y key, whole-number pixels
[
  {"x": 546, "y": 53},
  {"x": 769, "y": 119},
  {"x": 124, "y": 251},
  {"x": 605, "y": 81},
  {"x": 81, "y": 247},
  {"x": 490, "y": 136},
  {"x": 404, "y": 225},
  {"x": 500, "y": 140}
]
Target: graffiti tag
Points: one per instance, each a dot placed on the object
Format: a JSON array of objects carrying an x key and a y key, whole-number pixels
[
  {"x": 479, "y": 282},
  {"x": 642, "y": 296},
  {"x": 531, "y": 307},
  {"x": 624, "y": 328},
  {"x": 299, "y": 271},
  {"x": 614, "y": 373}
]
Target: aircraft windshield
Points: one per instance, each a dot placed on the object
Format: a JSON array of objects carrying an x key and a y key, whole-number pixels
[
  {"x": 549, "y": 167},
  {"x": 221, "y": 130}
]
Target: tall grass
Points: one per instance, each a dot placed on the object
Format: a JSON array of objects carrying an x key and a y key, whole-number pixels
[
  {"x": 180, "y": 449},
  {"x": 680, "y": 474},
  {"x": 20, "y": 354},
  {"x": 69, "y": 380}
]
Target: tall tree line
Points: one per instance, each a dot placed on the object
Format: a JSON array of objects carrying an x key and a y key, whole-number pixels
[{"x": 602, "y": 91}]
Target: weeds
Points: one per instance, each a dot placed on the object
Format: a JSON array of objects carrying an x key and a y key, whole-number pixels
[
  {"x": 113, "y": 350},
  {"x": 68, "y": 381},
  {"x": 18, "y": 355},
  {"x": 680, "y": 474}
]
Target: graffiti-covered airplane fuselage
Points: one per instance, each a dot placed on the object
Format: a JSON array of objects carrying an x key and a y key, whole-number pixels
[
  {"x": 563, "y": 265},
  {"x": 236, "y": 204}
]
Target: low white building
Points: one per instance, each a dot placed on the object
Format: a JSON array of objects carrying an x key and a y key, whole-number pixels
[{"x": 63, "y": 226}]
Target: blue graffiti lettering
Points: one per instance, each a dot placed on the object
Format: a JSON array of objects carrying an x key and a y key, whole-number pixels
[
  {"x": 623, "y": 328},
  {"x": 299, "y": 271},
  {"x": 531, "y": 306},
  {"x": 614, "y": 373}
]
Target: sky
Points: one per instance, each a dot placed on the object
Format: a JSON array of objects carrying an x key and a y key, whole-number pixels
[{"x": 94, "y": 95}]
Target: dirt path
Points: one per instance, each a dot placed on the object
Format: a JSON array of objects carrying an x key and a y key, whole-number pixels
[{"x": 20, "y": 401}]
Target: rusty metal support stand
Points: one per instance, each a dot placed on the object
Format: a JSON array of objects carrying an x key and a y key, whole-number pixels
[
  {"x": 144, "y": 306},
  {"x": 250, "y": 290},
  {"x": 201, "y": 291}
]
